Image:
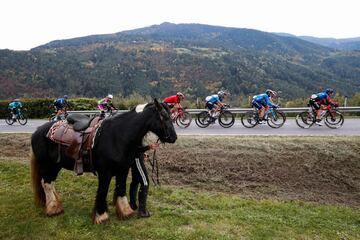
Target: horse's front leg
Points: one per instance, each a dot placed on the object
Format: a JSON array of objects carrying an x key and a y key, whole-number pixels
[
  {"x": 100, "y": 215},
  {"x": 123, "y": 209}
]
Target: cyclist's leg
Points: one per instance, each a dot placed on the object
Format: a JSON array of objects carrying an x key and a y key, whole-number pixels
[
  {"x": 102, "y": 111},
  {"x": 259, "y": 108}
]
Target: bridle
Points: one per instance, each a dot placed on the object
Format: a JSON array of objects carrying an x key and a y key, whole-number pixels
[{"x": 162, "y": 121}]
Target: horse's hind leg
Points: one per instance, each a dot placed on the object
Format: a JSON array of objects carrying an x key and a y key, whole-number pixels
[{"x": 53, "y": 203}]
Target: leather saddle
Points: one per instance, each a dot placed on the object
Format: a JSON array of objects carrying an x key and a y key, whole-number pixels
[{"x": 77, "y": 133}]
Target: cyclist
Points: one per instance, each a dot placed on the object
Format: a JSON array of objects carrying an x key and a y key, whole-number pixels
[
  {"x": 15, "y": 108},
  {"x": 106, "y": 104},
  {"x": 262, "y": 102},
  {"x": 319, "y": 101},
  {"x": 214, "y": 102},
  {"x": 174, "y": 101},
  {"x": 61, "y": 105}
]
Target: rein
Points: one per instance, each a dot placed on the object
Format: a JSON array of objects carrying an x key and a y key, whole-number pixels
[{"x": 155, "y": 168}]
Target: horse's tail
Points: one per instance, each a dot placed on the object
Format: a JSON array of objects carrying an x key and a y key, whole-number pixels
[{"x": 39, "y": 194}]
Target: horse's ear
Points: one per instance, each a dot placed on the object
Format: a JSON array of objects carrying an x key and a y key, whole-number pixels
[{"x": 157, "y": 104}]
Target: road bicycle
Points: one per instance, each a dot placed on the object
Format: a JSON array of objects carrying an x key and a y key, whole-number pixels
[
  {"x": 20, "y": 117},
  {"x": 225, "y": 118},
  {"x": 331, "y": 116},
  {"x": 181, "y": 117},
  {"x": 274, "y": 118},
  {"x": 62, "y": 116}
]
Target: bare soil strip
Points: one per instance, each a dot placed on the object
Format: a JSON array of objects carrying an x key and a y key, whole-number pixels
[{"x": 313, "y": 168}]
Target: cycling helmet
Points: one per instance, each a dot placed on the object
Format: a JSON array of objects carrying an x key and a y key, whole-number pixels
[
  {"x": 221, "y": 94},
  {"x": 110, "y": 96},
  {"x": 66, "y": 96},
  {"x": 270, "y": 92},
  {"x": 329, "y": 91},
  {"x": 180, "y": 94}
]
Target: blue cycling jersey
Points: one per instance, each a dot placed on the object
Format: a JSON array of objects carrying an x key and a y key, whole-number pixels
[
  {"x": 213, "y": 98},
  {"x": 263, "y": 98},
  {"x": 14, "y": 105},
  {"x": 321, "y": 96}
]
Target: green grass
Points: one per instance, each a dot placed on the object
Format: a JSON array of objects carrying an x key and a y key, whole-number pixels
[{"x": 178, "y": 213}]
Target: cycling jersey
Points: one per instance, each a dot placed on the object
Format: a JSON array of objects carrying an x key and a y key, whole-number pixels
[
  {"x": 321, "y": 97},
  {"x": 262, "y": 99},
  {"x": 172, "y": 99},
  {"x": 15, "y": 105},
  {"x": 105, "y": 103},
  {"x": 214, "y": 99}
]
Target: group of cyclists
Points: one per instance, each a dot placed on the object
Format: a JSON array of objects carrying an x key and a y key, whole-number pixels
[{"x": 261, "y": 102}]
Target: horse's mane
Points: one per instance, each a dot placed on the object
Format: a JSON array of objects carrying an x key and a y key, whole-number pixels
[{"x": 133, "y": 111}]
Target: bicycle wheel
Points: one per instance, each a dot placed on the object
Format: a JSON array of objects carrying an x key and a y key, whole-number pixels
[
  {"x": 9, "y": 120},
  {"x": 304, "y": 119},
  {"x": 22, "y": 119},
  {"x": 249, "y": 119},
  {"x": 203, "y": 119},
  {"x": 184, "y": 120},
  {"x": 334, "y": 120},
  {"x": 52, "y": 117},
  {"x": 226, "y": 119},
  {"x": 276, "y": 119}
]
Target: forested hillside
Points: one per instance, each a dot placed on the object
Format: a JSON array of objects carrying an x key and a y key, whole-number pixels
[{"x": 193, "y": 58}]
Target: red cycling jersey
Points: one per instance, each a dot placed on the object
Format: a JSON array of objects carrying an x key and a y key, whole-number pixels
[{"x": 172, "y": 99}]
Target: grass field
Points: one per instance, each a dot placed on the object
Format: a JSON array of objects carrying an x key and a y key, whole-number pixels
[{"x": 182, "y": 210}]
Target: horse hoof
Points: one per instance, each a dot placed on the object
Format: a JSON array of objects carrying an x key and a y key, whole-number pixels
[
  {"x": 125, "y": 214},
  {"x": 123, "y": 209},
  {"x": 54, "y": 209},
  {"x": 100, "y": 218},
  {"x": 144, "y": 214}
]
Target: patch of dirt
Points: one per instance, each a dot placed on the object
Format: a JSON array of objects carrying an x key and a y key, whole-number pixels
[
  {"x": 318, "y": 169},
  {"x": 289, "y": 168}
]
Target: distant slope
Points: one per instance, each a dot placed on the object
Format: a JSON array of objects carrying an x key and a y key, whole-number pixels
[
  {"x": 348, "y": 44},
  {"x": 193, "y": 58}
]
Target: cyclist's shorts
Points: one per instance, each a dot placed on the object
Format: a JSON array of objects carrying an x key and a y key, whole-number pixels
[
  {"x": 60, "y": 108},
  {"x": 314, "y": 104},
  {"x": 258, "y": 105},
  {"x": 209, "y": 105},
  {"x": 101, "y": 106},
  {"x": 170, "y": 105}
]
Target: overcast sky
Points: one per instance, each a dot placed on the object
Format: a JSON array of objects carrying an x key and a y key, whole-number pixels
[{"x": 25, "y": 24}]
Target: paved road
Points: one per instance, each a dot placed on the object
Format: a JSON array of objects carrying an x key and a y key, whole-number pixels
[{"x": 351, "y": 127}]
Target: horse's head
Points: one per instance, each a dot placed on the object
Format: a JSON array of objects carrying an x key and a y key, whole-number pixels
[{"x": 161, "y": 123}]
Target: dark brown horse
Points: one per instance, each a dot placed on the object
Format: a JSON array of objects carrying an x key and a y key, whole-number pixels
[{"x": 114, "y": 151}]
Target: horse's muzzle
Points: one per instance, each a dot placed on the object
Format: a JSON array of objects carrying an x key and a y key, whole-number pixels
[{"x": 169, "y": 139}]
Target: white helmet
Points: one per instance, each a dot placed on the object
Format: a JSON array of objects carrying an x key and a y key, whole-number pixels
[
  {"x": 221, "y": 94},
  {"x": 270, "y": 92},
  {"x": 180, "y": 94},
  {"x": 110, "y": 96}
]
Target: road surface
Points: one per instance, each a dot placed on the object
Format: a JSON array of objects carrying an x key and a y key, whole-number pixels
[{"x": 351, "y": 127}]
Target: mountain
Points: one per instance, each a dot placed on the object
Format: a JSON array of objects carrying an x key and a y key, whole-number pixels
[
  {"x": 347, "y": 44},
  {"x": 161, "y": 59}
]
